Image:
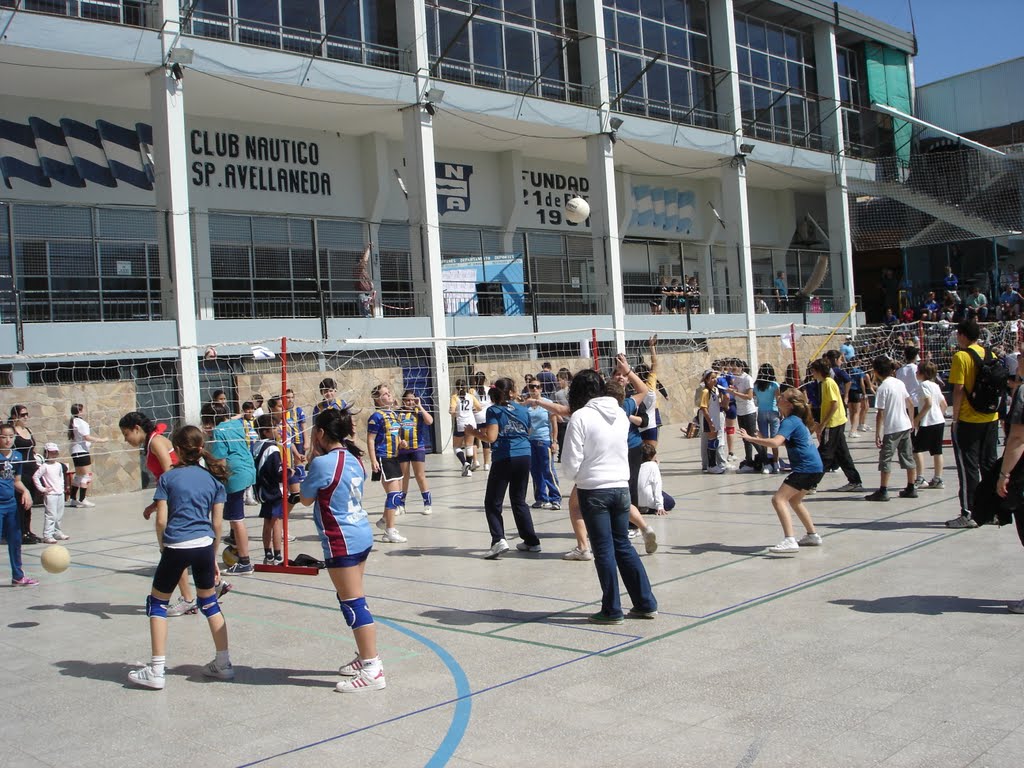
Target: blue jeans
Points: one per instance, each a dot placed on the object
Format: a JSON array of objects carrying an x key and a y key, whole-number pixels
[
  {"x": 10, "y": 528},
  {"x": 767, "y": 426},
  {"x": 606, "y": 514},
  {"x": 545, "y": 482}
]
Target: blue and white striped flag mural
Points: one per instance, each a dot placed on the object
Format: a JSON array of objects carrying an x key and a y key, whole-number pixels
[
  {"x": 666, "y": 209},
  {"x": 18, "y": 156},
  {"x": 76, "y": 154}
]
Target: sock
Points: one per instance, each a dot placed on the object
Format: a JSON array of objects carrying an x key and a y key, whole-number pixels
[
  {"x": 267, "y": 554},
  {"x": 460, "y": 455},
  {"x": 158, "y": 663},
  {"x": 278, "y": 555},
  {"x": 223, "y": 659},
  {"x": 883, "y": 489},
  {"x": 373, "y": 666},
  {"x": 243, "y": 560},
  {"x": 81, "y": 494},
  {"x": 910, "y": 486},
  {"x": 426, "y": 498}
]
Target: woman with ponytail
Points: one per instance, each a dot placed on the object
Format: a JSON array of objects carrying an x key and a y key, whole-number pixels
[{"x": 189, "y": 514}]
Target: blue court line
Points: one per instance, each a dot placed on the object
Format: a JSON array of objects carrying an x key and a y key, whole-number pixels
[{"x": 457, "y": 729}]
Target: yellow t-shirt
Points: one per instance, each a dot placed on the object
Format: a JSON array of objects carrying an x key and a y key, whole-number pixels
[
  {"x": 830, "y": 394},
  {"x": 963, "y": 372}
]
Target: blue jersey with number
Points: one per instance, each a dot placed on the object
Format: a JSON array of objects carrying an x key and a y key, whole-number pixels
[
  {"x": 386, "y": 428},
  {"x": 513, "y": 422},
  {"x": 335, "y": 481}
]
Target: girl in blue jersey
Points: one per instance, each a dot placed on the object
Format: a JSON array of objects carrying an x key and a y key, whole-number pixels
[
  {"x": 416, "y": 421},
  {"x": 507, "y": 429},
  {"x": 335, "y": 482},
  {"x": 189, "y": 513},
  {"x": 805, "y": 462},
  {"x": 384, "y": 440}
]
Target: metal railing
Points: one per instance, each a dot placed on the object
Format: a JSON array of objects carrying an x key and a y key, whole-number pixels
[
  {"x": 130, "y": 12},
  {"x": 503, "y": 80},
  {"x": 87, "y": 306},
  {"x": 308, "y": 42},
  {"x": 673, "y": 113}
]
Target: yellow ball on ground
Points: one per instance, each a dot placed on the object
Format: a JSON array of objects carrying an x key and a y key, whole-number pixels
[
  {"x": 55, "y": 559},
  {"x": 230, "y": 556}
]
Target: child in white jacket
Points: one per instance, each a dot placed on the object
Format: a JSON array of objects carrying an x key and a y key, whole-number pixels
[
  {"x": 653, "y": 500},
  {"x": 49, "y": 479}
]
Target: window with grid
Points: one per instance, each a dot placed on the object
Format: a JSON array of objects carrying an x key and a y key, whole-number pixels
[
  {"x": 523, "y": 46},
  {"x": 776, "y": 68},
  {"x": 678, "y": 86},
  {"x": 851, "y": 96}
]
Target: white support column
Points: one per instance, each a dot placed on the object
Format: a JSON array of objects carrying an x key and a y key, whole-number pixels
[
  {"x": 424, "y": 232},
  {"x": 604, "y": 213},
  {"x": 377, "y": 184},
  {"x": 735, "y": 211},
  {"x": 171, "y": 186},
  {"x": 836, "y": 202}
]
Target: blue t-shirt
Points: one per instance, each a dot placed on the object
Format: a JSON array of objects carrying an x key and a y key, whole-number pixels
[
  {"x": 540, "y": 425},
  {"x": 335, "y": 481},
  {"x": 813, "y": 391},
  {"x": 842, "y": 378},
  {"x": 633, "y": 438},
  {"x": 803, "y": 456},
  {"x": 856, "y": 377},
  {"x": 513, "y": 422},
  {"x": 190, "y": 493},
  {"x": 548, "y": 383},
  {"x": 386, "y": 427},
  {"x": 766, "y": 397},
  {"x": 229, "y": 444},
  {"x": 847, "y": 351},
  {"x": 8, "y": 471}
]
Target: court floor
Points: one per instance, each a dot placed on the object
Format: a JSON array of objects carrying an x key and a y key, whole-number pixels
[{"x": 890, "y": 645}]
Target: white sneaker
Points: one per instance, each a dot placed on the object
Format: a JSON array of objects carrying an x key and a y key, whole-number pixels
[
  {"x": 400, "y": 510},
  {"x": 352, "y": 668},
  {"x": 522, "y": 546},
  {"x": 427, "y": 510},
  {"x": 486, "y": 467},
  {"x": 497, "y": 549},
  {"x": 810, "y": 540},
  {"x": 366, "y": 679},
  {"x": 746, "y": 469},
  {"x": 181, "y": 607},
  {"x": 578, "y": 554},
  {"x": 766, "y": 470},
  {"x": 718, "y": 469},
  {"x": 475, "y": 466},
  {"x": 650, "y": 541},
  {"x": 382, "y": 524},
  {"x": 147, "y": 678},
  {"x": 633, "y": 533},
  {"x": 226, "y": 672},
  {"x": 86, "y": 503},
  {"x": 785, "y": 547},
  {"x": 466, "y": 471},
  {"x": 392, "y": 536},
  {"x": 72, "y": 503}
]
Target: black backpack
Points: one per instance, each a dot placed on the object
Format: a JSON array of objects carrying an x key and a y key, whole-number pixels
[{"x": 990, "y": 377}]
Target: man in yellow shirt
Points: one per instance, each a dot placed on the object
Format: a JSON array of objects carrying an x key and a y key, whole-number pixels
[
  {"x": 831, "y": 430},
  {"x": 974, "y": 434}
]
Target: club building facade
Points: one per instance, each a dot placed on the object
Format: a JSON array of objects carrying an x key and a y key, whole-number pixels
[{"x": 182, "y": 175}]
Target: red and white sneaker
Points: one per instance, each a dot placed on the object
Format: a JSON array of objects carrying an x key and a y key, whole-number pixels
[
  {"x": 352, "y": 668},
  {"x": 26, "y": 581},
  {"x": 366, "y": 679}
]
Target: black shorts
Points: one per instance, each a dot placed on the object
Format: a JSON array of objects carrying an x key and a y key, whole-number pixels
[
  {"x": 81, "y": 459},
  {"x": 856, "y": 397},
  {"x": 803, "y": 481},
  {"x": 929, "y": 439},
  {"x": 174, "y": 562},
  {"x": 390, "y": 469},
  {"x": 416, "y": 454}
]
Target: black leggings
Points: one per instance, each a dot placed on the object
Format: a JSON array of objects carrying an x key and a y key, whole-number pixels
[
  {"x": 512, "y": 476},
  {"x": 748, "y": 422},
  {"x": 174, "y": 562}
]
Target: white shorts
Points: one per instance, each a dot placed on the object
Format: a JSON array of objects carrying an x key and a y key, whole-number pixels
[{"x": 461, "y": 423}]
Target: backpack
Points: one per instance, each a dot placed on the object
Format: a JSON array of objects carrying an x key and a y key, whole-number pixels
[
  {"x": 990, "y": 379},
  {"x": 268, "y": 474}
]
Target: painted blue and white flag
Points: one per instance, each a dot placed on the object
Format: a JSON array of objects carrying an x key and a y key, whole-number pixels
[
  {"x": 18, "y": 156},
  {"x": 87, "y": 152},
  {"x": 54, "y": 155},
  {"x": 124, "y": 156}
]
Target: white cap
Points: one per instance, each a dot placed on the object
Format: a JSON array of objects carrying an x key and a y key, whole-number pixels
[{"x": 51, "y": 447}]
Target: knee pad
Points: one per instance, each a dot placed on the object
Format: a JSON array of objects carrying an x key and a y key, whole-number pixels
[
  {"x": 355, "y": 612},
  {"x": 393, "y": 500},
  {"x": 156, "y": 608},
  {"x": 208, "y": 605}
]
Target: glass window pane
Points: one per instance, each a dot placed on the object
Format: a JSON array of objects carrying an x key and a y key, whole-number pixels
[
  {"x": 778, "y": 70},
  {"x": 519, "y": 51},
  {"x": 654, "y": 38},
  {"x": 519, "y": 11},
  {"x": 743, "y": 61},
  {"x": 841, "y": 62},
  {"x": 741, "y": 31},
  {"x": 487, "y": 44},
  {"x": 548, "y": 13},
  {"x": 756, "y": 34},
  {"x": 40, "y": 221},
  {"x": 629, "y": 30},
  {"x": 775, "y": 43},
  {"x": 747, "y": 102},
  {"x": 675, "y": 12},
  {"x": 266, "y": 229},
  {"x": 699, "y": 49},
  {"x": 793, "y": 45},
  {"x": 629, "y": 5},
  {"x": 342, "y": 18},
  {"x": 609, "y": 25},
  {"x": 229, "y": 229},
  {"x": 381, "y": 23},
  {"x": 657, "y": 83},
  {"x": 259, "y": 10},
  {"x": 844, "y": 90},
  {"x": 652, "y": 9},
  {"x": 796, "y": 114},
  {"x": 451, "y": 24},
  {"x": 679, "y": 81},
  {"x": 759, "y": 66},
  {"x": 796, "y": 76},
  {"x": 301, "y": 14},
  {"x": 676, "y": 44},
  {"x": 490, "y": 9},
  {"x": 698, "y": 16},
  {"x": 551, "y": 59}
]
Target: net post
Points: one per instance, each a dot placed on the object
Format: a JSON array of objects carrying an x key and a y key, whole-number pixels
[
  {"x": 920, "y": 339},
  {"x": 792, "y": 345},
  {"x": 593, "y": 349},
  {"x": 285, "y": 449}
]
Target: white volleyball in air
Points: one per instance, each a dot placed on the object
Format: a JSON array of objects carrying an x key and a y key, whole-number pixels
[{"x": 577, "y": 210}]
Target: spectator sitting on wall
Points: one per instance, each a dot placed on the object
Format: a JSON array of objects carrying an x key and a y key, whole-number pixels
[
  {"x": 1009, "y": 304},
  {"x": 890, "y": 317},
  {"x": 977, "y": 305},
  {"x": 908, "y": 315},
  {"x": 951, "y": 281},
  {"x": 930, "y": 308}
]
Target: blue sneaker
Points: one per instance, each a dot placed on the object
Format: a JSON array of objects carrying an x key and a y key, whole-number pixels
[{"x": 239, "y": 570}]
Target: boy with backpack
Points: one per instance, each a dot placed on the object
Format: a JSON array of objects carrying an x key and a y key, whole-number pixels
[{"x": 979, "y": 385}]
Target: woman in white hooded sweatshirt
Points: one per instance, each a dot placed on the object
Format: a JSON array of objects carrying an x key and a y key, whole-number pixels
[{"x": 595, "y": 457}]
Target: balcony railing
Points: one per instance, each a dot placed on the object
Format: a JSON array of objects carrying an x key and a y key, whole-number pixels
[
  {"x": 673, "y": 113},
  {"x": 84, "y": 307},
  {"x": 503, "y": 80},
  {"x": 308, "y": 42},
  {"x": 130, "y": 12}
]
